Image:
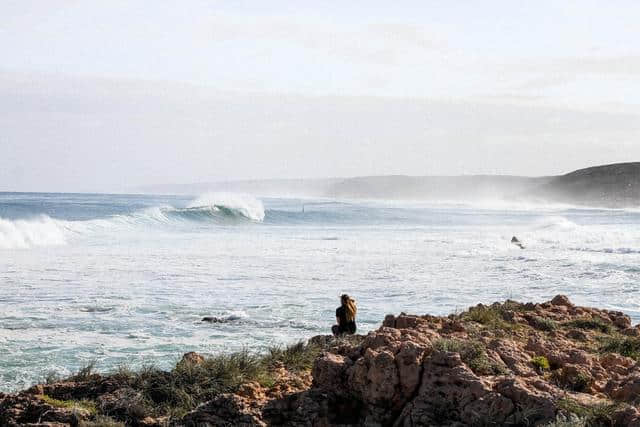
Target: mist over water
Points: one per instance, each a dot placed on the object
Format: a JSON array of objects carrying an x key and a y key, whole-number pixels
[{"x": 127, "y": 279}]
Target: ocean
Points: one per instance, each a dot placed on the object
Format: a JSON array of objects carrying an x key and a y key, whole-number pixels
[{"x": 126, "y": 279}]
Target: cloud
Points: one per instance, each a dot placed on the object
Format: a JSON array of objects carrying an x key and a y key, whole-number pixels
[
  {"x": 560, "y": 71},
  {"x": 380, "y": 43},
  {"x": 70, "y": 133}
]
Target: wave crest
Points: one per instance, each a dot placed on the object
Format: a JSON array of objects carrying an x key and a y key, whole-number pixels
[
  {"x": 228, "y": 204},
  {"x": 26, "y": 233}
]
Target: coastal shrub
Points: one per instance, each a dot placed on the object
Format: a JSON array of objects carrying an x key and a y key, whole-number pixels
[
  {"x": 569, "y": 420},
  {"x": 626, "y": 346},
  {"x": 543, "y": 324},
  {"x": 593, "y": 323},
  {"x": 492, "y": 317},
  {"x": 296, "y": 357},
  {"x": 101, "y": 421},
  {"x": 472, "y": 353},
  {"x": 85, "y": 373},
  {"x": 156, "y": 392},
  {"x": 123, "y": 374},
  {"x": 52, "y": 377},
  {"x": 572, "y": 379},
  {"x": 86, "y": 405},
  {"x": 593, "y": 415},
  {"x": 541, "y": 363},
  {"x": 189, "y": 384},
  {"x": 524, "y": 415}
]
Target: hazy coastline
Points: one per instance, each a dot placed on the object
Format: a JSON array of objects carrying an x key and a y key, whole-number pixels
[{"x": 609, "y": 186}]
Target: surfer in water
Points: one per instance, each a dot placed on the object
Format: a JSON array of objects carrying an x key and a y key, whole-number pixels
[
  {"x": 345, "y": 316},
  {"x": 517, "y": 242}
]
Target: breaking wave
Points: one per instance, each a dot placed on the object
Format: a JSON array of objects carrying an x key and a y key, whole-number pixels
[
  {"x": 229, "y": 204},
  {"x": 214, "y": 209},
  {"x": 557, "y": 223},
  {"x": 40, "y": 231}
]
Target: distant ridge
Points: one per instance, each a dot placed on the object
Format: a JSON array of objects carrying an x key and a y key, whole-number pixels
[
  {"x": 443, "y": 188},
  {"x": 612, "y": 186}
]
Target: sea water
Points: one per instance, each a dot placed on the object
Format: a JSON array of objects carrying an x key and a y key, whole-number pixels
[{"x": 126, "y": 279}]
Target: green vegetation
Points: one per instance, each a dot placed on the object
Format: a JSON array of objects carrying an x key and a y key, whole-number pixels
[
  {"x": 543, "y": 324},
  {"x": 85, "y": 373},
  {"x": 593, "y": 415},
  {"x": 473, "y": 353},
  {"x": 101, "y": 421},
  {"x": 593, "y": 323},
  {"x": 567, "y": 421},
  {"x": 541, "y": 363},
  {"x": 86, "y": 405},
  {"x": 52, "y": 377},
  {"x": 492, "y": 317},
  {"x": 626, "y": 346},
  {"x": 189, "y": 384},
  {"x": 296, "y": 357}
]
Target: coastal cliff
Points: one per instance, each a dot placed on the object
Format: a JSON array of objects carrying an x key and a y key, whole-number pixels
[
  {"x": 616, "y": 186},
  {"x": 611, "y": 186},
  {"x": 510, "y": 363}
]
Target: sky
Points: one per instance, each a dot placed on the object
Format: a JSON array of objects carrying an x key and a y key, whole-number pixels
[{"x": 111, "y": 95}]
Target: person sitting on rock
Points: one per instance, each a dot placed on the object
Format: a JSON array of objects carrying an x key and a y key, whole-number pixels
[{"x": 345, "y": 316}]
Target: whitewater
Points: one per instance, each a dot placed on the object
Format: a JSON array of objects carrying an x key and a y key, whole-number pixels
[{"x": 126, "y": 279}]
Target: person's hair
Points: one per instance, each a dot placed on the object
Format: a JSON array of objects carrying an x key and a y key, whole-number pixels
[{"x": 350, "y": 308}]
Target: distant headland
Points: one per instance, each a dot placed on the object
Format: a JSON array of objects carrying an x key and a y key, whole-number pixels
[{"x": 611, "y": 186}]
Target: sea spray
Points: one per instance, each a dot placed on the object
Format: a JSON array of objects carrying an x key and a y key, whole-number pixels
[
  {"x": 244, "y": 204},
  {"x": 27, "y": 233}
]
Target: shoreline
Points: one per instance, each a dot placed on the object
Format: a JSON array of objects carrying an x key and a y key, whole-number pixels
[{"x": 507, "y": 363}]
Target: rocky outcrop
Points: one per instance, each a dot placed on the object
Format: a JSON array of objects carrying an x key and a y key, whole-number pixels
[{"x": 504, "y": 364}]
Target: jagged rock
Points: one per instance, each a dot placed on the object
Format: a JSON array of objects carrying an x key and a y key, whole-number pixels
[
  {"x": 224, "y": 410},
  {"x": 26, "y": 408},
  {"x": 192, "y": 357},
  {"x": 561, "y": 300},
  {"x": 329, "y": 372},
  {"x": 91, "y": 388},
  {"x": 124, "y": 404}
]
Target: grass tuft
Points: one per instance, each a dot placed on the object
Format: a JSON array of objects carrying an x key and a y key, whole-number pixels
[
  {"x": 543, "y": 324},
  {"x": 571, "y": 420},
  {"x": 473, "y": 353},
  {"x": 86, "y": 405},
  {"x": 297, "y": 357},
  {"x": 101, "y": 421},
  {"x": 492, "y": 317},
  {"x": 593, "y": 323},
  {"x": 593, "y": 415},
  {"x": 626, "y": 346},
  {"x": 178, "y": 391},
  {"x": 85, "y": 373}
]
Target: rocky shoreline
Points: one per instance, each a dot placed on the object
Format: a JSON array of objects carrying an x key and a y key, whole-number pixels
[{"x": 510, "y": 363}]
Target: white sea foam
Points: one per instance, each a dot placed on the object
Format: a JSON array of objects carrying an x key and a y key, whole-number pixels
[
  {"x": 46, "y": 231},
  {"x": 132, "y": 288},
  {"x": 555, "y": 223},
  {"x": 244, "y": 204},
  {"x": 26, "y": 233}
]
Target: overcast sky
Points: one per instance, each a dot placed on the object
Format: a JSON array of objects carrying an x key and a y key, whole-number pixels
[{"x": 110, "y": 95}]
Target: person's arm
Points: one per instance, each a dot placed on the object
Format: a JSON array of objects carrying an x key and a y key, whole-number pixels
[{"x": 338, "y": 316}]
